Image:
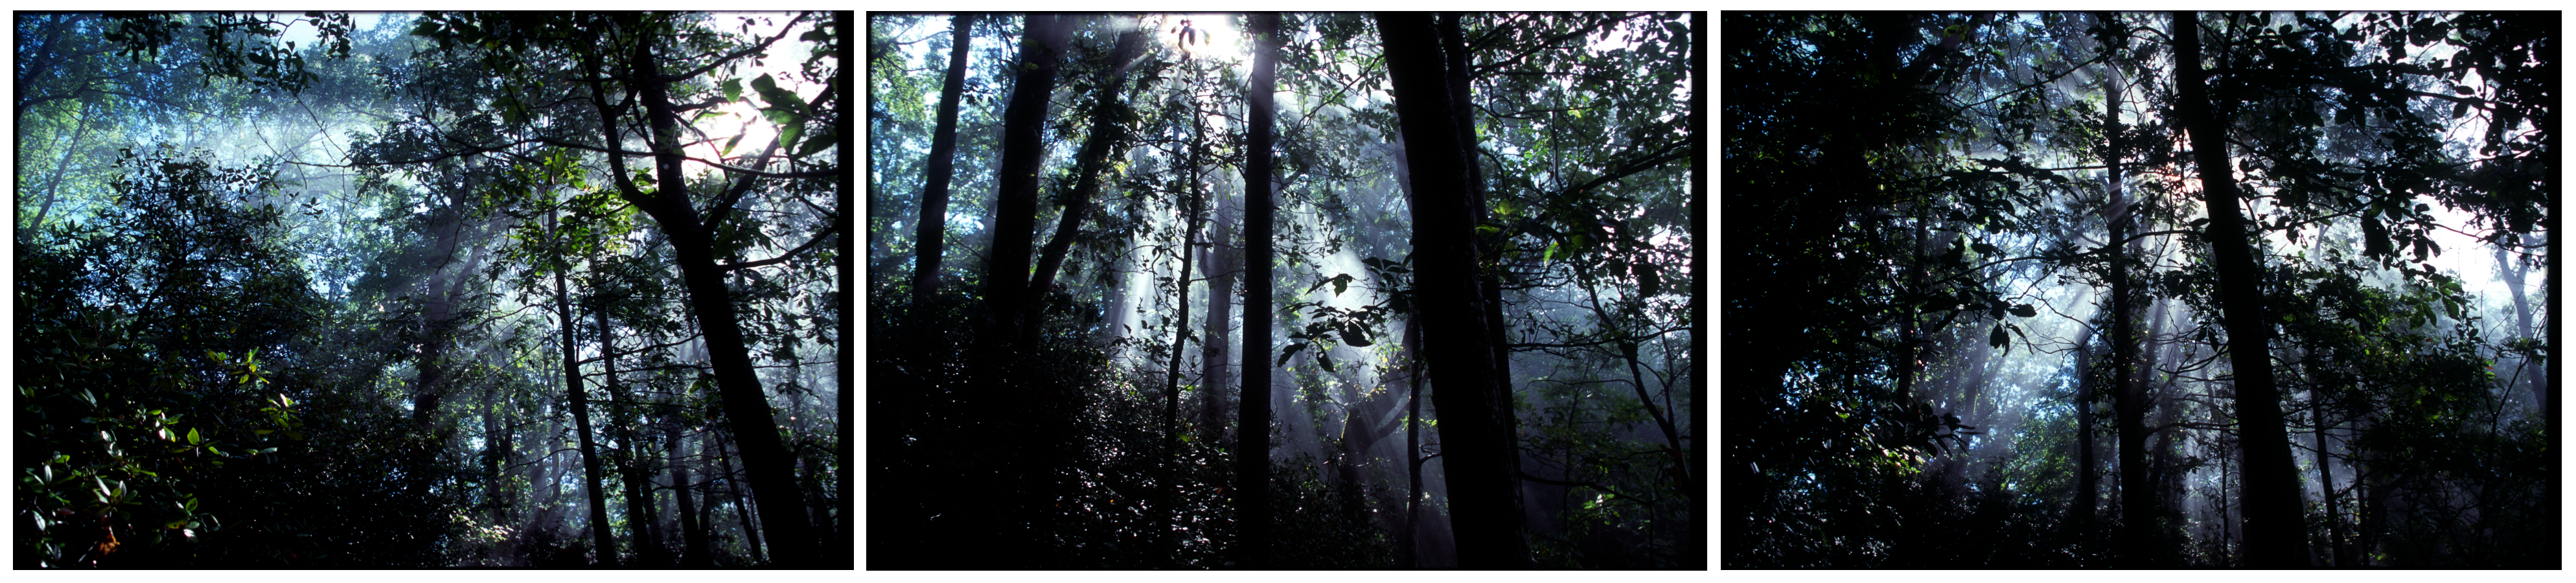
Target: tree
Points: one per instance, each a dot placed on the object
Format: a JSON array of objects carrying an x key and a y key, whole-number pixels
[
  {"x": 1252, "y": 432},
  {"x": 1475, "y": 429},
  {"x": 1006, "y": 273},
  {"x": 1106, "y": 134},
  {"x": 2274, "y": 529},
  {"x": 605, "y": 546},
  {"x": 931, "y": 243}
]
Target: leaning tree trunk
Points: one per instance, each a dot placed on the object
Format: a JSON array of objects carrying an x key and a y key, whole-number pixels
[
  {"x": 1252, "y": 446},
  {"x": 1106, "y": 133},
  {"x": 1475, "y": 408},
  {"x": 1006, "y": 273},
  {"x": 932, "y": 240},
  {"x": 746, "y": 404},
  {"x": 2275, "y": 530}
]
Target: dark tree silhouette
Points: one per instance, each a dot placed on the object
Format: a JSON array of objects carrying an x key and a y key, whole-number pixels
[
  {"x": 2275, "y": 532},
  {"x": 1252, "y": 442},
  {"x": 1477, "y": 443}
]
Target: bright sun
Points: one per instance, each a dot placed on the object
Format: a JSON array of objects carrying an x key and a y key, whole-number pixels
[{"x": 723, "y": 123}]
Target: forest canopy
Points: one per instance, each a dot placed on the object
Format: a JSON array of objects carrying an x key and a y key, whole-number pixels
[
  {"x": 2088, "y": 290},
  {"x": 433, "y": 290},
  {"x": 1206, "y": 291}
]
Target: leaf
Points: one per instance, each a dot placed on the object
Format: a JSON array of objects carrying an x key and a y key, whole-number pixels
[
  {"x": 1341, "y": 283},
  {"x": 777, "y": 97},
  {"x": 2025, "y": 310},
  {"x": 1985, "y": 248},
  {"x": 816, "y": 143},
  {"x": 732, "y": 89},
  {"x": 192, "y": 436},
  {"x": 1998, "y": 339},
  {"x": 1353, "y": 335},
  {"x": 1283, "y": 355}
]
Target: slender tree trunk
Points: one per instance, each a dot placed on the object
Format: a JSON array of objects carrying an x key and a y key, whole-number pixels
[
  {"x": 1180, "y": 336},
  {"x": 1106, "y": 133},
  {"x": 844, "y": 369},
  {"x": 1224, "y": 258},
  {"x": 2086, "y": 469},
  {"x": 693, "y": 533},
  {"x": 1413, "y": 443},
  {"x": 1006, "y": 274},
  {"x": 2275, "y": 531},
  {"x": 931, "y": 241},
  {"x": 605, "y": 545},
  {"x": 637, "y": 462},
  {"x": 746, "y": 405},
  {"x": 54, "y": 185},
  {"x": 742, "y": 506},
  {"x": 2325, "y": 477},
  {"x": 2137, "y": 497},
  {"x": 1476, "y": 432},
  {"x": 1699, "y": 298},
  {"x": 1252, "y": 449},
  {"x": 2513, "y": 273}
]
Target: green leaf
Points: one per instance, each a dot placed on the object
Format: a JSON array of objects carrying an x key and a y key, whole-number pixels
[
  {"x": 732, "y": 89},
  {"x": 776, "y": 96},
  {"x": 816, "y": 143},
  {"x": 192, "y": 436},
  {"x": 1353, "y": 335}
]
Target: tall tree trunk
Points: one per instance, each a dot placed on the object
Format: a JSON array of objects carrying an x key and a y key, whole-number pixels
[
  {"x": 1462, "y": 110},
  {"x": 746, "y": 405},
  {"x": 636, "y": 464},
  {"x": 693, "y": 532},
  {"x": 1252, "y": 447},
  {"x": 844, "y": 371},
  {"x": 1412, "y": 443},
  {"x": 1699, "y": 297},
  {"x": 1105, "y": 135},
  {"x": 2275, "y": 530},
  {"x": 742, "y": 506},
  {"x": 2137, "y": 496},
  {"x": 1476, "y": 432},
  {"x": 2513, "y": 273},
  {"x": 605, "y": 545},
  {"x": 931, "y": 241},
  {"x": 1006, "y": 273},
  {"x": 2325, "y": 477},
  {"x": 2087, "y": 496},
  {"x": 1224, "y": 258},
  {"x": 1180, "y": 327}
]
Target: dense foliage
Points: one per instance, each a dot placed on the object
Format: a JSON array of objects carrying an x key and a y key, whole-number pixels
[
  {"x": 381, "y": 290},
  {"x": 2093, "y": 290},
  {"x": 1051, "y": 375}
]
